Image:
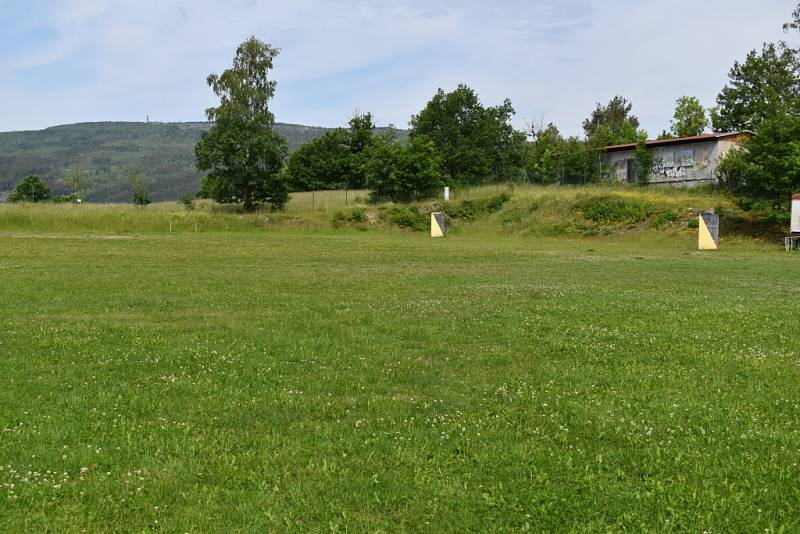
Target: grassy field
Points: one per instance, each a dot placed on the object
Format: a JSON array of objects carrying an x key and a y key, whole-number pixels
[
  {"x": 307, "y": 210},
  {"x": 285, "y": 380}
]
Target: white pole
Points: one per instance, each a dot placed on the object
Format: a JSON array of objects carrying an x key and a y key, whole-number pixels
[{"x": 446, "y": 194}]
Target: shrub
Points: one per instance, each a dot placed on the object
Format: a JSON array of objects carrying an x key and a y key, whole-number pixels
[
  {"x": 745, "y": 203},
  {"x": 355, "y": 215},
  {"x": 141, "y": 198},
  {"x": 63, "y": 199},
  {"x": 468, "y": 210},
  {"x": 409, "y": 218},
  {"x": 694, "y": 222},
  {"x": 613, "y": 210},
  {"x": 187, "y": 201},
  {"x": 664, "y": 218}
]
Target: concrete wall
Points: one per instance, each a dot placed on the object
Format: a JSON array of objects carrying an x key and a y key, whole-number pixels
[{"x": 680, "y": 165}]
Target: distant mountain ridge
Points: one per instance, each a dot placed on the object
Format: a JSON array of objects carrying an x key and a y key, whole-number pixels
[{"x": 108, "y": 152}]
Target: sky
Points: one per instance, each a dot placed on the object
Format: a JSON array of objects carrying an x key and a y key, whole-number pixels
[{"x": 67, "y": 61}]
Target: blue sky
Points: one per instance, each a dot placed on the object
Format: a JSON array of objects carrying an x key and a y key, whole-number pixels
[{"x": 65, "y": 61}]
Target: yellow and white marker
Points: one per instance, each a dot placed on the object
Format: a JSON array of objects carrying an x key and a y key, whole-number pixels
[
  {"x": 708, "y": 234},
  {"x": 438, "y": 224}
]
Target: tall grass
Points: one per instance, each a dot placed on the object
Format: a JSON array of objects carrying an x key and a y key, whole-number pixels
[
  {"x": 326, "y": 200},
  {"x": 531, "y": 209},
  {"x": 303, "y": 209},
  {"x": 700, "y": 198}
]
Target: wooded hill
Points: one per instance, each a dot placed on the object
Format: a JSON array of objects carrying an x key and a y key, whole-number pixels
[{"x": 108, "y": 153}]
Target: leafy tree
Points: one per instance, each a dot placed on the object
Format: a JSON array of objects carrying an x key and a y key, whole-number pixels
[
  {"x": 241, "y": 151},
  {"x": 765, "y": 85},
  {"x": 576, "y": 162},
  {"x": 406, "y": 171},
  {"x": 767, "y": 166},
  {"x": 361, "y": 136},
  {"x": 689, "y": 118},
  {"x": 361, "y": 128},
  {"x": 477, "y": 144},
  {"x": 141, "y": 198},
  {"x": 322, "y": 163},
  {"x": 75, "y": 181},
  {"x": 30, "y": 189},
  {"x": 616, "y": 118},
  {"x": 543, "y": 155},
  {"x": 333, "y": 160},
  {"x": 597, "y": 168},
  {"x": 140, "y": 195}
]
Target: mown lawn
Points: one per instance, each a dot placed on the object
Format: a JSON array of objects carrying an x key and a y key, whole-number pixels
[{"x": 368, "y": 381}]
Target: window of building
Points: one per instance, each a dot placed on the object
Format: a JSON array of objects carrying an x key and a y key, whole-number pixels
[
  {"x": 687, "y": 157},
  {"x": 633, "y": 174}
]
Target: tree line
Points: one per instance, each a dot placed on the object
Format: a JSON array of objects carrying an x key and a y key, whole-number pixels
[
  {"x": 454, "y": 140},
  {"x": 457, "y": 140}
]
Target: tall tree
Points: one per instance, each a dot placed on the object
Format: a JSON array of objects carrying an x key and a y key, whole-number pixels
[
  {"x": 477, "y": 144},
  {"x": 361, "y": 137},
  {"x": 242, "y": 152},
  {"x": 361, "y": 128},
  {"x": 765, "y": 85},
  {"x": 689, "y": 118},
  {"x": 544, "y": 152},
  {"x": 616, "y": 118}
]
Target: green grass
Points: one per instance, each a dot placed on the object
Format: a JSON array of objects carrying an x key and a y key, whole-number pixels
[
  {"x": 326, "y": 200},
  {"x": 165, "y": 217},
  {"x": 384, "y": 381}
]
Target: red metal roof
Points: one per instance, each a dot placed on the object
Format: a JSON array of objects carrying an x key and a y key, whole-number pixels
[
  {"x": 680, "y": 140},
  {"x": 796, "y": 197}
]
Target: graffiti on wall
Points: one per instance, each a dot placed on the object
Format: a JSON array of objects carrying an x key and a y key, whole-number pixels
[
  {"x": 662, "y": 168},
  {"x": 668, "y": 167}
]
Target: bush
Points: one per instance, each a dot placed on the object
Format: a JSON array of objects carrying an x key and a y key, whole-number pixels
[
  {"x": 408, "y": 218},
  {"x": 468, "y": 210},
  {"x": 613, "y": 210},
  {"x": 141, "y": 198},
  {"x": 664, "y": 218},
  {"x": 187, "y": 201},
  {"x": 63, "y": 199},
  {"x": 694, "y": 222},
  {"x": 355, "y": 215}
]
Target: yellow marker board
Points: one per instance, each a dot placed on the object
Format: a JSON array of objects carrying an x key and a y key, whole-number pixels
[
  {"x": 438, "y": 224},
  {"x": 705, "y": 239}
]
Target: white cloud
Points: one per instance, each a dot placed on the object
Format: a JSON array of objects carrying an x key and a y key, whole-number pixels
[{"x": 121, "y": 60}]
